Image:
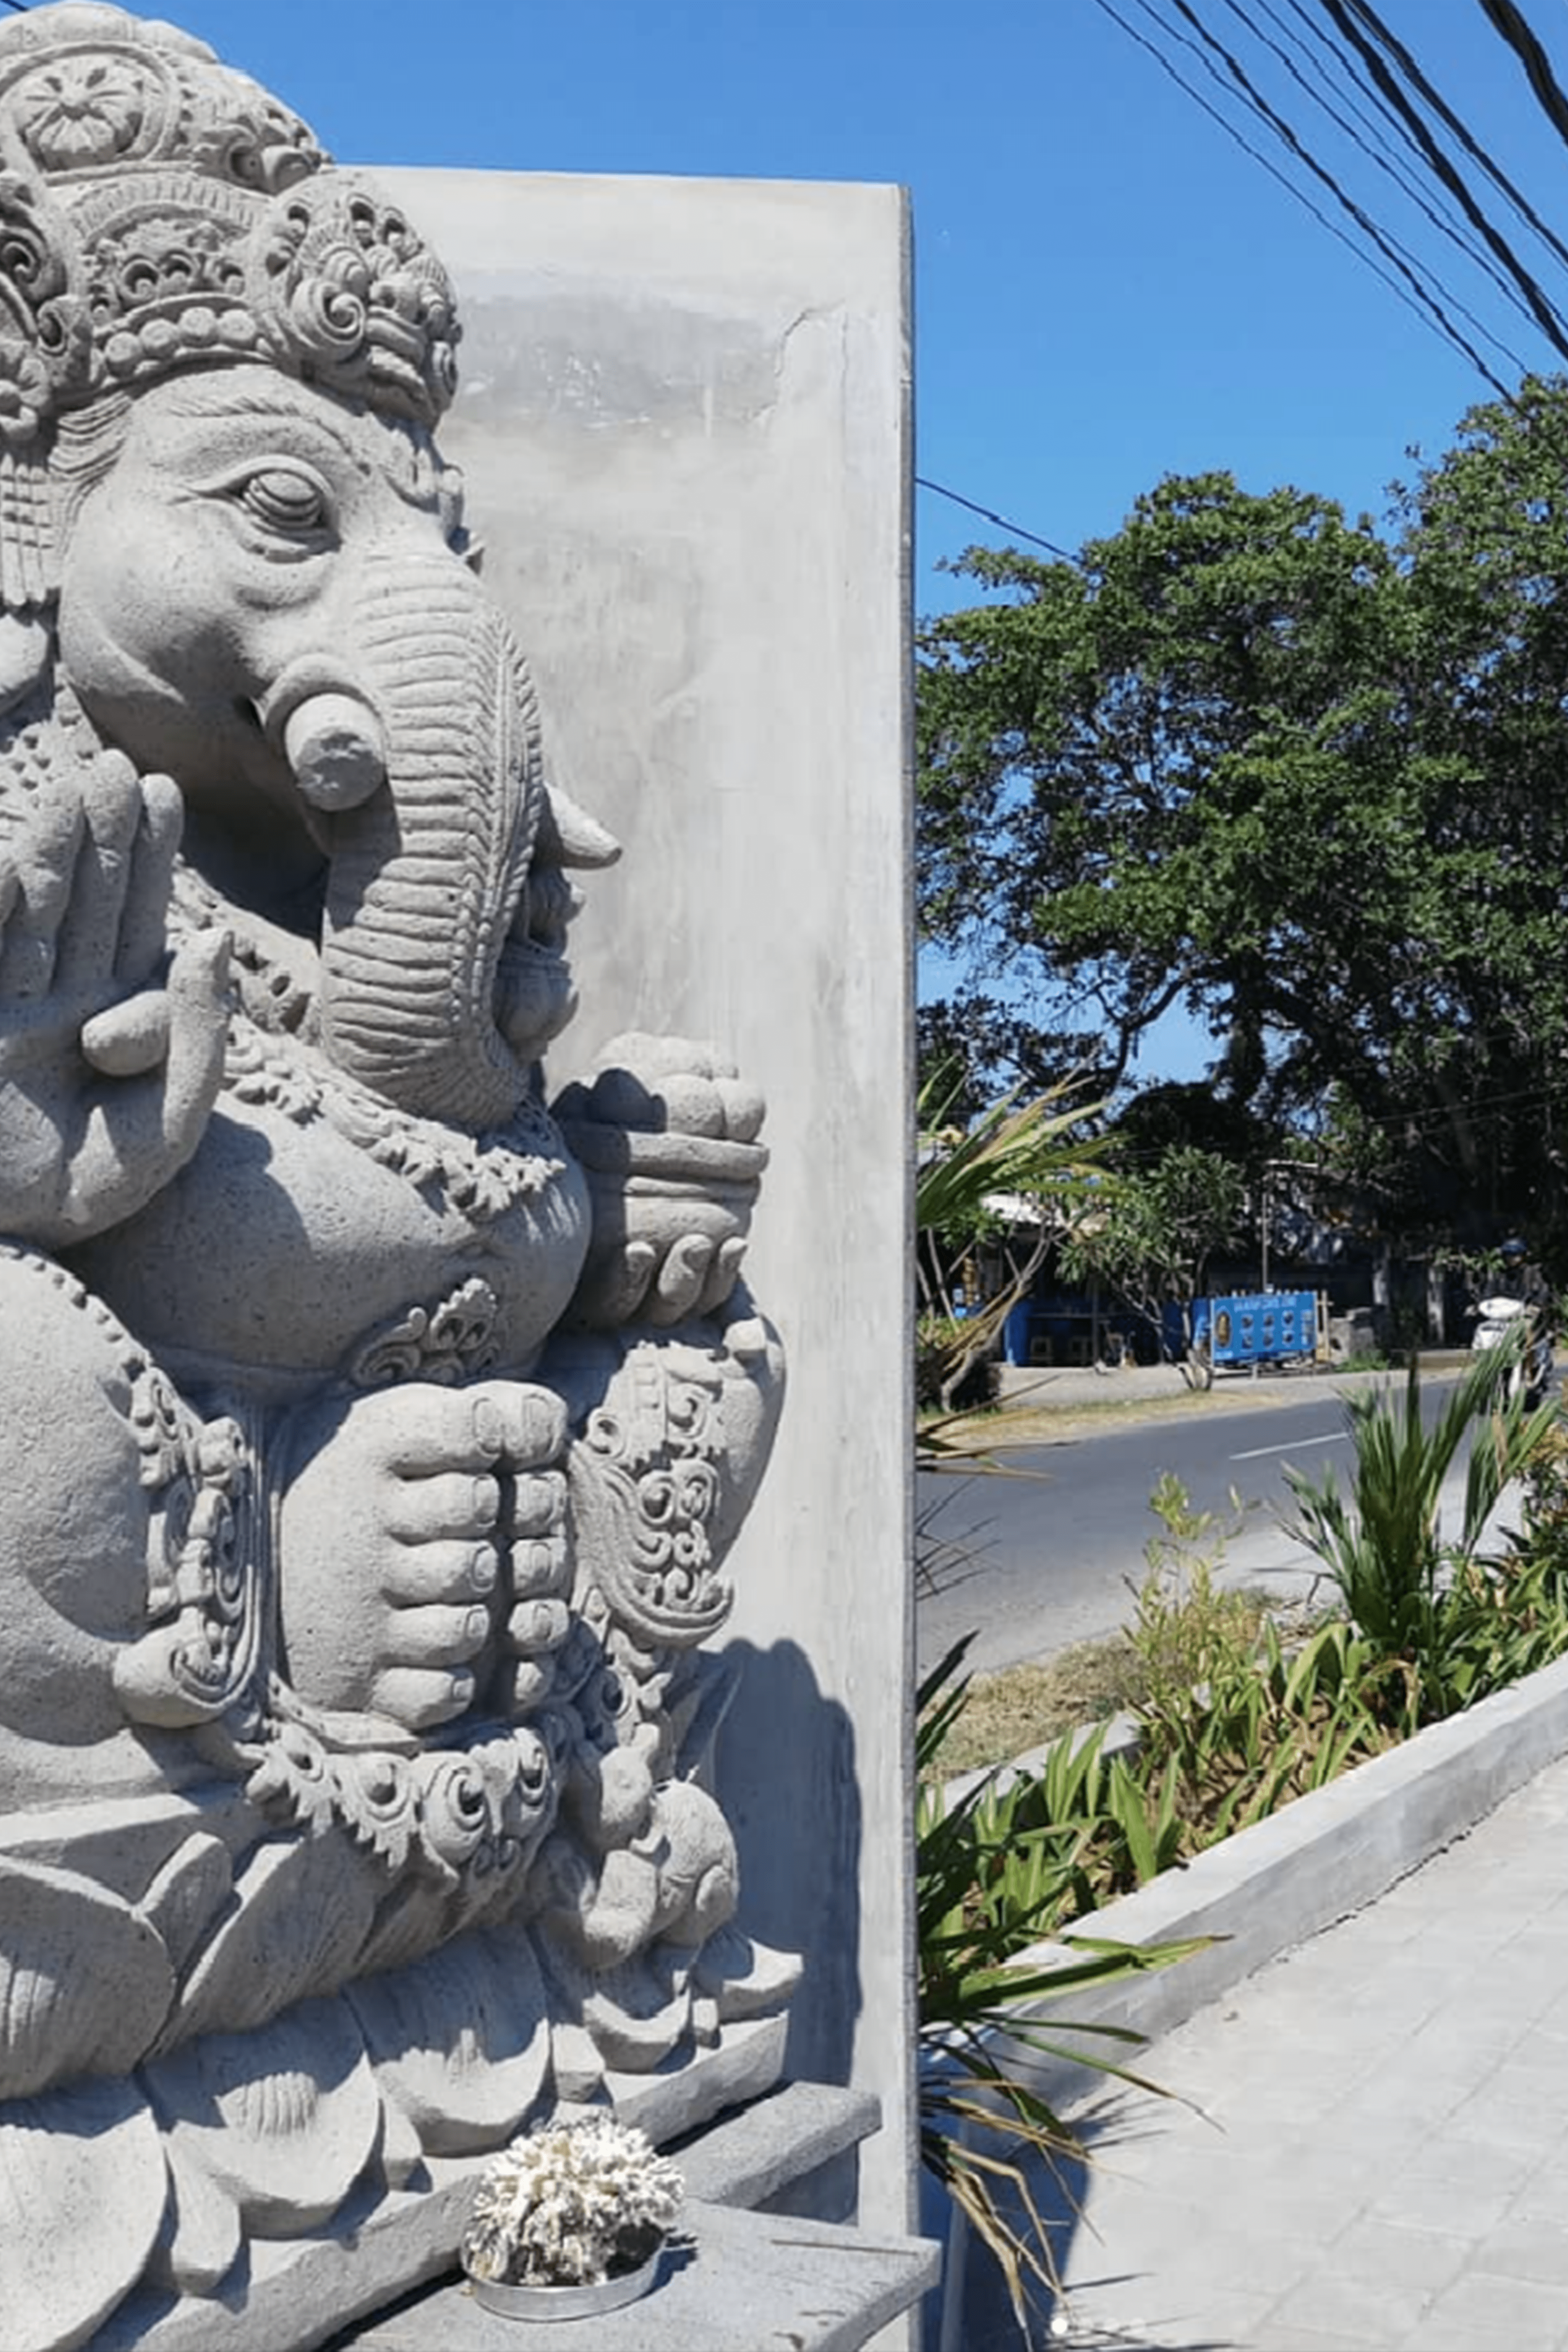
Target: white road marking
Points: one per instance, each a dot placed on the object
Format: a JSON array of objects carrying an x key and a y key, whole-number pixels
[{"x": 1256, "y": 1452}]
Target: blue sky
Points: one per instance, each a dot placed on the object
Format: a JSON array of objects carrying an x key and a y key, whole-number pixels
[{"x": 1107, "y": 288}]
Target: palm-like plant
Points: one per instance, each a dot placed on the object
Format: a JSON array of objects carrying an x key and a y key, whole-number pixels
[
  {"x": 982, "y": 2126},
  {"x": 1383, "y": 1543},
  {"x": 1030, "y": 1151}
]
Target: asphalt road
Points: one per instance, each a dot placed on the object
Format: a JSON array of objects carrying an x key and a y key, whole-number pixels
[{"x": 1041, "y": 1554}]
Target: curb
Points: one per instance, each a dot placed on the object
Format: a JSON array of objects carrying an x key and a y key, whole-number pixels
[{"x": 1283, "y": 1880}]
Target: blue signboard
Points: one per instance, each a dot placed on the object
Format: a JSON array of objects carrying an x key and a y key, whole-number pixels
[{"x": 1269, "y": 1327}]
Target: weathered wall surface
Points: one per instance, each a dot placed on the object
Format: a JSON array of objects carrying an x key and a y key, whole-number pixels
[{"x": 683, "y": 418}]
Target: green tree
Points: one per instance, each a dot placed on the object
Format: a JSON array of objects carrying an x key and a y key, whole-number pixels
[
  {"x": 1301, "y": 775},
  {"x": 1151, "y": 1233}
]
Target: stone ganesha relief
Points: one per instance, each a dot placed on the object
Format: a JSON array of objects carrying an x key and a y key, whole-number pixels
[{"x": 373, "y": 1436}]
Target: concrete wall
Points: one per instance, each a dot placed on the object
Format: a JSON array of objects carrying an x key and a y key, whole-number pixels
[{"x": 684, "y": 420}]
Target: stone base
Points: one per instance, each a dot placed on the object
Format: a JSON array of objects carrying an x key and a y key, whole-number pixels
[
  {"x": 739, "y": 2280},
  {"x": 290, "y": 2297}
]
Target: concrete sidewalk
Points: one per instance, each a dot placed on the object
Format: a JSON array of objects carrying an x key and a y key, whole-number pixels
[
  {"x": 1376, "y": 2152},
  {"x": 1068, "y": 1389}
]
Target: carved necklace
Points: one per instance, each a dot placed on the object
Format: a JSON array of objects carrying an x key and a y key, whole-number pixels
[{"x": 271, "y": 1057}]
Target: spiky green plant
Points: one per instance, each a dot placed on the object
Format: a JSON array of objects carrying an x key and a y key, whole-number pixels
[
  {"x": 1381, "y": 1541},
  {"x": 981, "y": 2124},
  {"x": 1033, "y": 1149}
]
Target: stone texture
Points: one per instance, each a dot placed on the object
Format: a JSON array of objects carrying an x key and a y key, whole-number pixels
[
  {"x": 683, "y": 415},
  {"x": 381, "y": 1415}
]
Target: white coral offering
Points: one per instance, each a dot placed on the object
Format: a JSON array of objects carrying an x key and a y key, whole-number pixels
[{"x": 571, "y": 2204}]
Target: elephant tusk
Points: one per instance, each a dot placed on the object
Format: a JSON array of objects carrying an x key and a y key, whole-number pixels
[
  {"x": 335, "y": 751},
  {"x": 570, "y": 836}
]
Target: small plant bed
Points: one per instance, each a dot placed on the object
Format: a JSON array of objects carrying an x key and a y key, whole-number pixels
[
  {"x": 1021, "y": 1708},
  {"x": 1235, "y": 1715},
  {"x": 1237, "y": 1711},
  {"x": 1183, "y": 1622}
]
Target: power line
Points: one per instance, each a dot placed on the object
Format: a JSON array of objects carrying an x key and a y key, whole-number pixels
[
  {"x": 1426, "y": 287},
  {"x": 1351, "y": 17},
  {"x": 1386, "y": 243},
  {"x": 1428, "y": 311},
  {"x": 1347, "y": 62},
  {"x": 924, "y": 482},
  {"x": 1374, "y": 148},
  {"x": 1512, "y": 26}
]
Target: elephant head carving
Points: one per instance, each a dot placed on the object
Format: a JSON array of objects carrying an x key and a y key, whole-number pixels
[
  {"x": 267, "y": 596},
  {"x": 222, "y": 508}
]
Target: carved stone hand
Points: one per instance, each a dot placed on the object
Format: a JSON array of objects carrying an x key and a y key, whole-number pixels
[
  {"x": 392, "y": 1542},
  {"x": 108, "y": 1065},
  {"x": 667, "y": 1133}
]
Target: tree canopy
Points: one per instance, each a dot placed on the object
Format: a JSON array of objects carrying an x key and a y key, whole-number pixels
[{"x": 1306, "y": 776}]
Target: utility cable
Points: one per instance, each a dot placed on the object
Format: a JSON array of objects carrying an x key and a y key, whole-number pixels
[
  {"x": 1506, "y": 20},
  {"x": 1438, "y": 326},
  {"x": 1376, "y": 154},
  {"x": 1351, "y": 17},
  {"x": 1386, "y": 245},
  {"x": 924, "y": 482}
]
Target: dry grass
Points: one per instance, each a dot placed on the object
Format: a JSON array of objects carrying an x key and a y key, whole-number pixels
[
  {"x": 1023, "y": 1707},
  {"x": 991, "y": 1433}
]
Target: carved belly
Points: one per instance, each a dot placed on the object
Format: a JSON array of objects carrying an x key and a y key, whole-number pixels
[{"x": 319, "y": 1233}]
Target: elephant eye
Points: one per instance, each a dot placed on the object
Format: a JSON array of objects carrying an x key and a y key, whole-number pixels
[{"x": 285, "y": 498}]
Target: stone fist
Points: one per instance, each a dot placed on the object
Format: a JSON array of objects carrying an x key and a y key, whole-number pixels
[
  {"x": 395, "y": 1542},
  {"x": 667, "y": 1134},
  {"x": 110, "y": 1064}
]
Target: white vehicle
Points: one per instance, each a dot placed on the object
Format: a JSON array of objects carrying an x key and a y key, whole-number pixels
[{"x": 1503, "y": 1322}]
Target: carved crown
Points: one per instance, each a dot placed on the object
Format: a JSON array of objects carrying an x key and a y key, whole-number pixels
[{"x": 159, "y": 210}]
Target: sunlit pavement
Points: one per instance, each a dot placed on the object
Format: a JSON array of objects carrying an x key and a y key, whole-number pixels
[
  {"x": 1366, "y": 2145},
  {"x": 1376, "y": 2152}
]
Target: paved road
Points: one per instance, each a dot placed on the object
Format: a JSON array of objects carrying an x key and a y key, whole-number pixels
[{"x": 1040, "y": 1555}]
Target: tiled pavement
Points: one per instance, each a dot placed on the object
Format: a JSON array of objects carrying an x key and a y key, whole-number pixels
[{"x": 1376, "y": 2152}]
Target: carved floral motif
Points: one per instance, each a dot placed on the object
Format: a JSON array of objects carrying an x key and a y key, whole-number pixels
[
  {"x": 85, "y": 111},
  {"x": 355, "y": 291}
]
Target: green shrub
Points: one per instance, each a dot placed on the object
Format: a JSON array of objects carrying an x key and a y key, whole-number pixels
[
  {"x": 1233, "y": 1722},
  {"x": 1424, "y": 1602},
  {"x": 1185, "y": 1624},
  {"x": 979, "y": 1905}
]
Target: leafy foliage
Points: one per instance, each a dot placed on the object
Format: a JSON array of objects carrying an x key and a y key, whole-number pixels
[
  {"x": 1034, "y": 1151},
  {"x": 981, "y": 2122},
  {"x": 1233, "y": 1722},
  {"x": 1150, "y": 1234},
  {"x": 1410, "y": 1591},
  {"x": 1301, "y": 775}
]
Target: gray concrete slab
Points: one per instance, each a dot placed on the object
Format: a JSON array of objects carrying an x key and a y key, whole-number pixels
[
  {"x": 737, "y": 2282},
  {"x": 683, "y": 415},
  {"x": 1366, "y": 2144}
]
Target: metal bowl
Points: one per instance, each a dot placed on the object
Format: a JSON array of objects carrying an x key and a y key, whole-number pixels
[{"x": 545, "y": 2302}]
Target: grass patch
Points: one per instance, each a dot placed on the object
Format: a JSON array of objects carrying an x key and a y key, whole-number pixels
[
  {"x": 1023, "y": 1707},
  {"x": 989, "y": 1434}
]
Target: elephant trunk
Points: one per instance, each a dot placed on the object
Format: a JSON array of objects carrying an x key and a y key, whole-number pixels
[{"x": 424, "y": 877}]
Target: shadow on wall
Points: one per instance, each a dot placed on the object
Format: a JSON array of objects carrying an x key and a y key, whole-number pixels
[{"x": 785, "y": 1762}]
